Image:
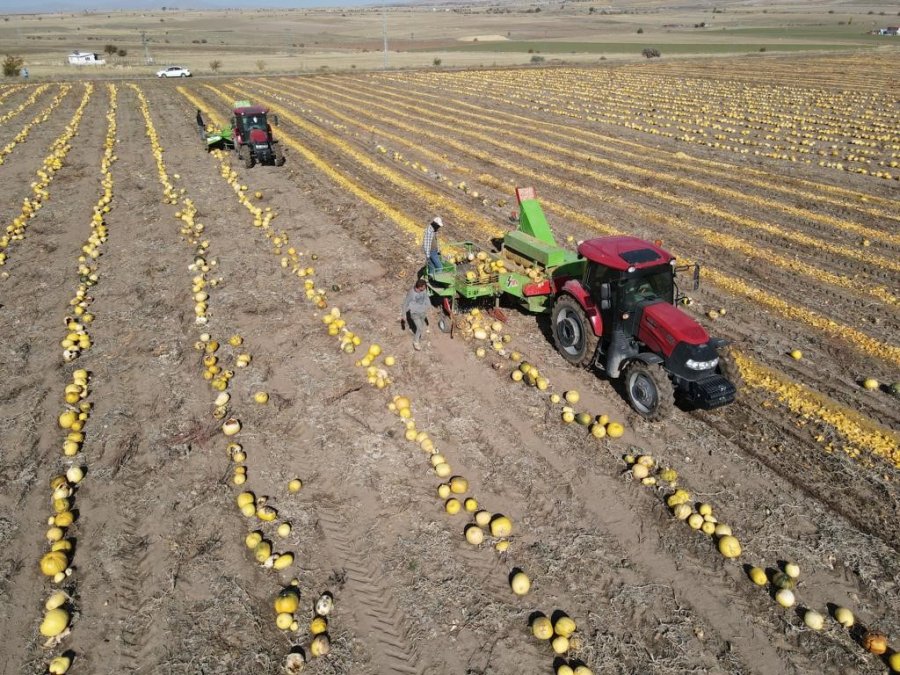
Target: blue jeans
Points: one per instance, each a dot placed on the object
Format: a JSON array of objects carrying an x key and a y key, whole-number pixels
[{"x": 434, "y": 262}]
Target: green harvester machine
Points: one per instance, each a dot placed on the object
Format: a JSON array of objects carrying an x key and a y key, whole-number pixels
[{"x": 528, "y": 260}]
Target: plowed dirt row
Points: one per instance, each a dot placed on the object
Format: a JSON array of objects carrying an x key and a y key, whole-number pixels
[
  {"x": 35, "y": 298},
  {"x": 387, "y": 491},
  {"x": 855, "y": 506},
  {"x": 18, "y": 171},
  {"x": 164, "y": 581},
  {"x": 800, "y": 336},
  {"x": 840, "y": 304},
  {"x": 337, "y": 161}
]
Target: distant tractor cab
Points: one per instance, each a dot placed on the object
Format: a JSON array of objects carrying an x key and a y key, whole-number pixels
[{"x": 250, "y": 135}]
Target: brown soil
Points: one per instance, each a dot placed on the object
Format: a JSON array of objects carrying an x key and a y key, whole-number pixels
[{"x": 163, "y": 581}]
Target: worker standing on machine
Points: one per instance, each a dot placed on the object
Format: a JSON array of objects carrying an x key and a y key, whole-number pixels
[
  {"x": 416, "y": 305},
  {"x": 201, "y": 125},
  {"x": 430, "y": 246}
]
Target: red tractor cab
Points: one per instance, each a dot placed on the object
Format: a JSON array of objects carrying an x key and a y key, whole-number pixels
[
  {"x": 621, "y": 317},
  {"x": 252, "y": 136}
]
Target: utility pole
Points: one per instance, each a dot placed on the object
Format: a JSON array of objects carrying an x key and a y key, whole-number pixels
[{"x": 384, "y": 34}]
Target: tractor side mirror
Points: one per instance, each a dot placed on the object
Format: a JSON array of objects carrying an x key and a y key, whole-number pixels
[
  {"x": 274, "y": 120},
  {"x": 604, "y": 296}
]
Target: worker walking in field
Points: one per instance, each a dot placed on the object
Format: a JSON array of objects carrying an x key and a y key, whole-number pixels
[
  {"x": 416, "y": 305},
  {"x": 201, "y": 125},
  {"x": 430, "y": 245}
]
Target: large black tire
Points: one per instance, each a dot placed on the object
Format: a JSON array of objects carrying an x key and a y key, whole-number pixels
[
  {"x": 279, "y": 155},
  {"x": 573, "y": 336},
  {"x": 649, "y": 390},
  {"x": 728, "y": 369},
  {"x": 246, "y": 156},
  {"x": 444, "y": 323}
]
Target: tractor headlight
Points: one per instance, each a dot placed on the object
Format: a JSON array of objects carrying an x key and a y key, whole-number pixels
[{"x": 702, "y": 365}]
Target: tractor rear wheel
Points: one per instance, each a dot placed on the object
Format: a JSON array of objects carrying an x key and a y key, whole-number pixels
[
  {"x": 279, "y": 155},
  {"x": 573, "y": 335},
  {"x": 246, "y": 156},
  {"x": 649, "y": 390}
]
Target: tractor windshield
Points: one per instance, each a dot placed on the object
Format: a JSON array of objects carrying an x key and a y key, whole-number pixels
[
  {"x": 657, "y": 285},
  {"x": 254, "y": 122}
]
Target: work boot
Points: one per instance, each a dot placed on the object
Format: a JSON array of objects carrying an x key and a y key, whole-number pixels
[{"x": 417, "y": 346}]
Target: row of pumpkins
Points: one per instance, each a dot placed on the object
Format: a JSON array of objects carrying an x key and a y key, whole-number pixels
[
  {"x": 781, "y": 582},
  {"x": 56, "y": 563},
  {"x": 287, "y": 601},
  {"x": 52, "y": 163}
]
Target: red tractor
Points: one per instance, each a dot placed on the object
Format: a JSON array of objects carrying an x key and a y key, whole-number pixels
[
  {"x": 612, "y": 306},
  {"x": 250, "y": 135},
  {"x": 620, "y": 316}
]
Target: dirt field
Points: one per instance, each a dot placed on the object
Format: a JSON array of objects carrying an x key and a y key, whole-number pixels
[
  {"x": 779, "y": 179},
  {"x": 309, "y": 40}
]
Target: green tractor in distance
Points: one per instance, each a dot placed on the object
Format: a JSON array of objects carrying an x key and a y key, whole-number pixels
[{"x": 250, "y": 135}]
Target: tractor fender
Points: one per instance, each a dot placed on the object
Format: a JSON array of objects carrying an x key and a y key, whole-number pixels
[
  {"x": 647, "y": 357},
  {"x": 574, "y": 288}
]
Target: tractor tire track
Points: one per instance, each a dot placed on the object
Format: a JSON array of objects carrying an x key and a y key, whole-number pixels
[{"x": 378, "y": 615}]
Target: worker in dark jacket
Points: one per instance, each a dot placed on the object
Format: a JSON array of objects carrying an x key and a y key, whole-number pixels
[
  {"x": 201, "y": 125},
  {"x": 416, "y": 305}
]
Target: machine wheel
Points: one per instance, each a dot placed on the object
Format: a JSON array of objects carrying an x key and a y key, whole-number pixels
[
  {"x": 573, "y": 336},
  {"x": 279, "y": 155},
  {"x": 246, "y": 156},
  {"x": 728, "y": 369},
  {"x": 444, "y": 323},
  {"x": 649, "y": 390}
]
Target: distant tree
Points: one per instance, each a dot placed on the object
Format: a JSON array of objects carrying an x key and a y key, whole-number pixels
[
  {"x": 12, "y": 65},
  {"x": 110, "y": 49},
  {"x": 591, "y": 10},
  {"x": 650, "y": 53},
  {"x": 214, "y": 65},
  {"x": 640, "y": 30},
  {"x": 122, "y": 52},
  {"x": 436, "y": 63},
  {"x": 260, "y": 65},
  {"x": 537, "y": 59}
]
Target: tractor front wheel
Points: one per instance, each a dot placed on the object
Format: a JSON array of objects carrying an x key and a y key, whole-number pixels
[
  {"x": 649, "y": 390},
  {"x": 573, "y": 335}
]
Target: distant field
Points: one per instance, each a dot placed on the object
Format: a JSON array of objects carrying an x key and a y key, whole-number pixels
[
  {"x": 228, "y": 42},
  {"x": 636, "y": 47},
  {"x": 853, "y": 33}
]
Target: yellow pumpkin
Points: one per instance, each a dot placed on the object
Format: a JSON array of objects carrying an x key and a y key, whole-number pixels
[{"x": 53, "y": 563}]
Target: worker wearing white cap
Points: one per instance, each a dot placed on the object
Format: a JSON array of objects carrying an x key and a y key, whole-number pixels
[{"x": 430, "y": 246}]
